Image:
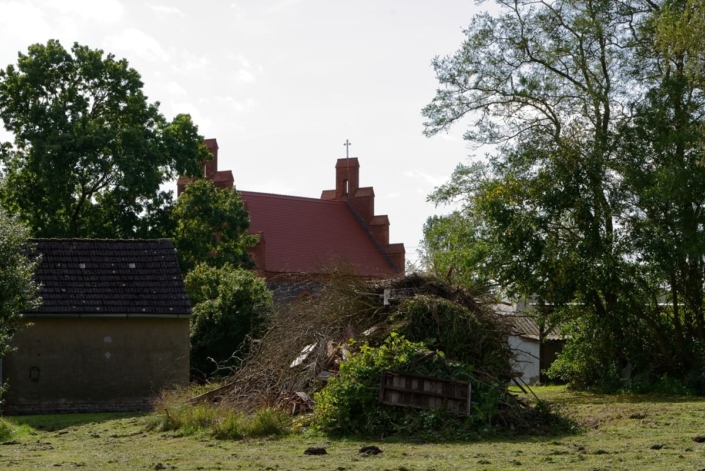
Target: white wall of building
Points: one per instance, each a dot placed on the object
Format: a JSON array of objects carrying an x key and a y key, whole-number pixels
[{"x": 527, "y": 358}]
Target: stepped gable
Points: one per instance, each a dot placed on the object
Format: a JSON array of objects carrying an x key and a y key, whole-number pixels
[
  {"x": 308, "y": 236},
  {"x": 104, "y": 277}
]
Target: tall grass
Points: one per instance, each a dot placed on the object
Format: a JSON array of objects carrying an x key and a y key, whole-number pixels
[
  {"x": 5, "y": 430},
  {"x": 173, "y": 412}
]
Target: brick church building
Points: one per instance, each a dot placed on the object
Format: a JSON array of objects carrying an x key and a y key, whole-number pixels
[{"x": 304, "y": 239}]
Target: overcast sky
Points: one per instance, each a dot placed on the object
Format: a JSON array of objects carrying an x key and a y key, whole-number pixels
[{"x": 281, "y": 84}]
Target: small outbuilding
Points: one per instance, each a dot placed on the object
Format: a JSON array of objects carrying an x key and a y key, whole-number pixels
[
  {"x": 112, "y": 331},
  {"x": 535, "y": 348}
]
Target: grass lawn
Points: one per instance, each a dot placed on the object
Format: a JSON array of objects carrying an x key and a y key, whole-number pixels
[{"x": 619, "y": 433}]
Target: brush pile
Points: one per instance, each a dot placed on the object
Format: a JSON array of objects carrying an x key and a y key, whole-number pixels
[{"x": 307, "y": 340}]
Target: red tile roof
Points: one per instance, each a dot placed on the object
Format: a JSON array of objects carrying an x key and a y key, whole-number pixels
[{"x": 306, "y": 235}]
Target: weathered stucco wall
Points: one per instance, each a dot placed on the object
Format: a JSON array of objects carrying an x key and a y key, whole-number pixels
[{"x": 92, "y": 364}]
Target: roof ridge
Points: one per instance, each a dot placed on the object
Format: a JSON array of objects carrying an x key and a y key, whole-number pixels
[{"x": 290, "y": 197}]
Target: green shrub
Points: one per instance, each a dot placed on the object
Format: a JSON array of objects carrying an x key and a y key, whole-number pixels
[
  {"x": 349, "y": 403},
  {"x": 229, "y": 304},
  {"x": 266, "y": 422},
  {"x": 229, "y": 427},
  {"x": 5, "y": 430},
  {"x": 473, "y": 337}
]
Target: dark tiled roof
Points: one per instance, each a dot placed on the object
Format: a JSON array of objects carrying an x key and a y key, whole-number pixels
[
  {"x": 85, "y": 276},
  {"x": 306, "y": 235}
]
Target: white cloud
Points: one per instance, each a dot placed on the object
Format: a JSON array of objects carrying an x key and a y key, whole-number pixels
[
  {"x": 237, "y": 105},
  {"x": 282, "y": 5},
  {"x": 174, "y": 88},
  {"x": 106, "y": 11},
  {"x": 167, "y": 10},
  {"x": 24, "y": 23},
  {"x": 197, "y": 117},
  {"x": 239, "y": 12},
  {"x": 192, "y": 65},
  {"x": 244, "y": 107},
  {"x": 433, "y": 180},
  {"x": 245, "y": 63},
  {"x": 247, "y": 72},
  {"x": 245, "y": 75},
  {"x": 138, "y": 43}
]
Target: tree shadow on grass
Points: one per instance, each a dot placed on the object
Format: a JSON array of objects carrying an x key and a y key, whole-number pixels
[
  {"x": 587, "y": 398},
  {"x": 56, "y": 422}
]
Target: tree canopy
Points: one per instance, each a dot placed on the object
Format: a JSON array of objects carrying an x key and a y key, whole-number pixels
[
  {"x": 211, "y": 227},
  {"x": 90, "y": 152},
  {"x": 592, "y": 193}
]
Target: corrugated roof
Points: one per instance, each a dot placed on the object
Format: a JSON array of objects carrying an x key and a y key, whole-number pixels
[
  {"x": 526, "y": 326},
  {"x": 306, "y": 235},
  {"x": 87, "y": 276}
]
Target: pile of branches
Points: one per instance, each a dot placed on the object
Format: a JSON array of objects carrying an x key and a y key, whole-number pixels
[{"x": 307, "y": 339}]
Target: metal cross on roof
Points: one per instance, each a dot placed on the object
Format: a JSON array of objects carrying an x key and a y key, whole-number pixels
[{"x": 347, "y": 145}]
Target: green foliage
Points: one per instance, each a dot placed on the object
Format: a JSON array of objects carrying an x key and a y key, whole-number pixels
[
  {"x": 5, "y": 430},
  {"x": 593, "y": 195},
  {"x": 588, "y": 359},
  {"x": 18, "y": 290},
  {"x": 473, "y": 338},
  {"x": 349, "y": 403},
  {"x": 90, "y": 152},
  {"x": 453, "y": 249},
  {"x": 211, "y": 227},
  {"x": 229, "y": 304}
]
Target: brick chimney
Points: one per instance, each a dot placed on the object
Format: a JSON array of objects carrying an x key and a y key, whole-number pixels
[
  {"x": 221, "y": 179},
  {"x": 347, "y": 177},
  {"x": 211, "y": 166}
]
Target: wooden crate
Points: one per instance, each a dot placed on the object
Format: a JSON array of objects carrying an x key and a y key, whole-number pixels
[{"x": 425, "y": 392}]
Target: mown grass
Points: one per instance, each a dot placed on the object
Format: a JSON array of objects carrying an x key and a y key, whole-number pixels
[{"x": 618, "y": 433}]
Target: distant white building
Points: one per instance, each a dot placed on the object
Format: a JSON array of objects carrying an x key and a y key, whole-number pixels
[{"x": 534, "y": 350}]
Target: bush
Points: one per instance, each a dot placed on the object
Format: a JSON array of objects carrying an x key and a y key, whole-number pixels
[
  {"x": 473, "y": 337},
  {"x": 229, "y": 304},
  {"x": 5, "y": 430},
  {"x": 349, "y": 403}
]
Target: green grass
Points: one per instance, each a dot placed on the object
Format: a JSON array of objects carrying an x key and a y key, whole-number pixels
[{"x": 618, "y": 434}]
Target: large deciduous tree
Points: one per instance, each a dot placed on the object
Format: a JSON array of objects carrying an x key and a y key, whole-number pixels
[
  {"x": 90, "y": 151},
  {"x": 592, "y": 192}
]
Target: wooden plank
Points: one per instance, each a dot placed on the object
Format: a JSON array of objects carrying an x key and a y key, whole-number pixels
[{"x": 425, "y": 392}]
